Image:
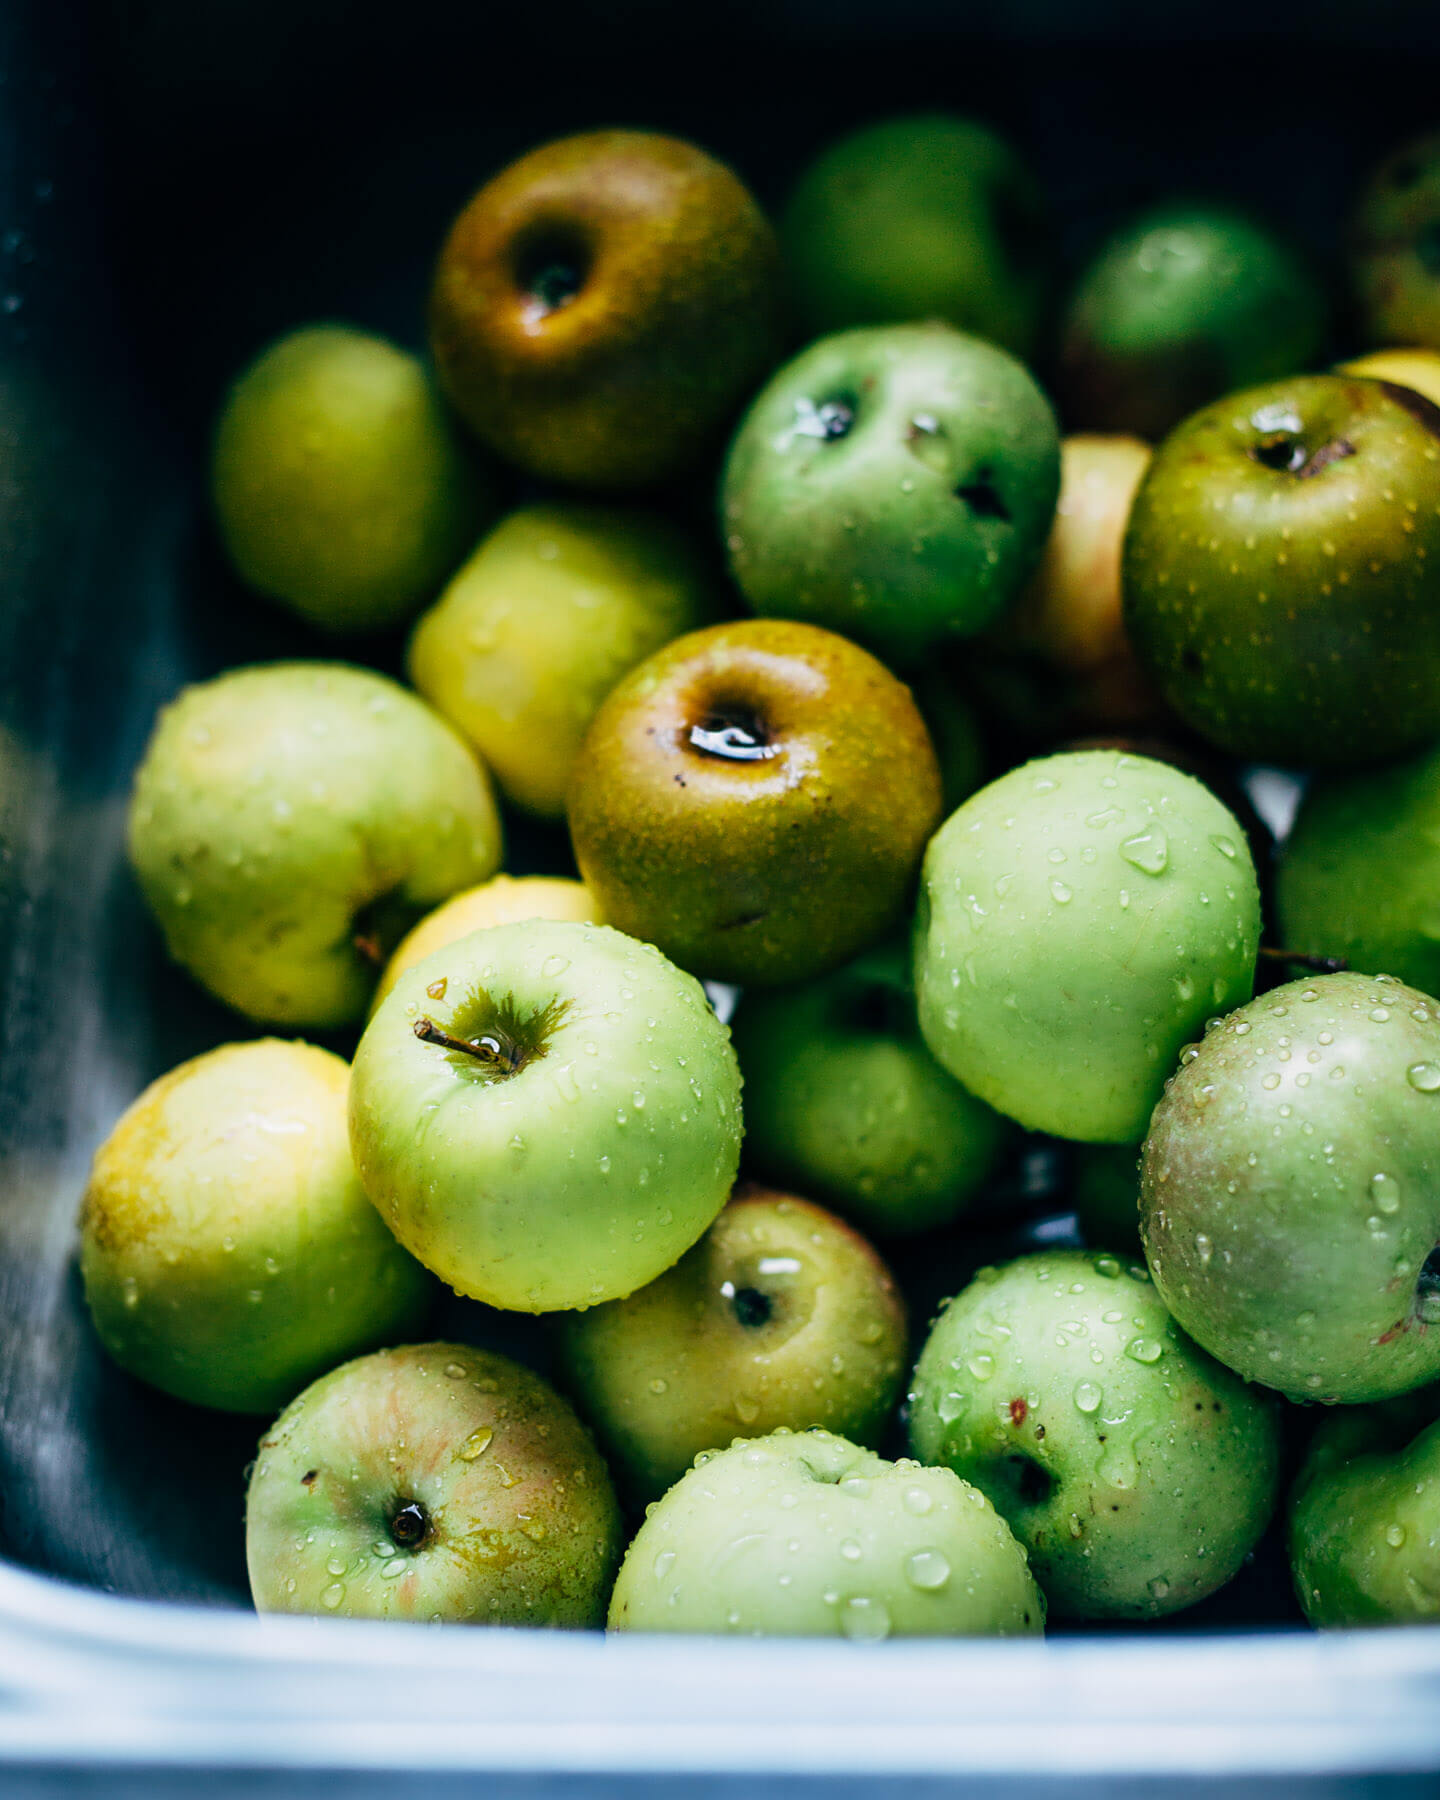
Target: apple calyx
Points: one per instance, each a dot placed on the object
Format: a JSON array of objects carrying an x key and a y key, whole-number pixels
[
  {"x": 733, "y": 734},
  {"x": 551, "y": 268},
  {"x": 749, "y": 1305},
  {"x": 1286, "y": 452},
  {"x": 409, "y": 1525},
  {"x": 983, "y": 497}
]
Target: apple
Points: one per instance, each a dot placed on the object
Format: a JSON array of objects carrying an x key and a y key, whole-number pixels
[
  {"x": 228, "y": 1251},
  {"x": 843, "y": 1101},
  {"x": 780, "y": 1316},
  {"x": 547, "y": 615},
  {"x": 894, "y": 483},
  {"x": 1276, "y": 573},
  {"x": 1179, "y": 306},
  {"x": 754, "y": 799},
  {"x": 1290, "y": 1189},
  {"x": 1358, "y": 874},
  {"x": 923, "y": 217},
  {"x": 439, "y": 1483},
  {"x": 954, "y": 731},
  {"x": 1395, "y": 246},
  {"x": 1080, "y": 918},
  {"x": 806, "y": 1535},
  {"x": 603, "y": 306},
  {"x": 1137, "y": 1472},
  {"x": 546, "y": 1114},
  {"x": 1365, "y": 1516},
  {"x": 289, "y": 822},
  {"x": 1402, "y": 367},
  {"x": 502, "y": 900},
  {"x": 337, "y": 481},
  {"x": 1069, "y": 616}
]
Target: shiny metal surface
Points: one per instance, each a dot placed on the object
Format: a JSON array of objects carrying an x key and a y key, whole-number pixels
[{"x": 174, "y": 184}]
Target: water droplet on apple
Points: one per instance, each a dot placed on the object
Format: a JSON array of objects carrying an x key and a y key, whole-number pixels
[
  {"x": 928, "y": 1570},
  {"x": 865, "y": 1621},
  {"x": 1088, "y": 1397},
  {"x": 1385, "y": 1192},
  {"x": 478, "y": 1442},
  {"x": 1148, "y": 851}
]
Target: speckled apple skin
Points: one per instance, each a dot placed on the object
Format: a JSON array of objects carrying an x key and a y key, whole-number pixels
[
  {"x": 275, "y": 805},
  {"x": 924, "y": 519},
  {"x": 1290, "y": 617},
  {"x": 589, "y": 1171},
  {"x": 767, "y": 871},
  {"x": 806, "y": 1535},
  {"x": 228, "y": 1250},
  {"x": 1290, "y": 1189},
  {"x": 1364, "y": 1528},
  {"x": 524, "y": 1526},
  {"x": 1079, "y": 920},
  {"x": 676, "y": 1369},
  {"x": 1136, "y": 1471},
  {"x": 676, "y": 319}
]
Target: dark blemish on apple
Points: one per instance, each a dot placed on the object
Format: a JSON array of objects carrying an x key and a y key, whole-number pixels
[
  {"x": 309, "y": 1476},
  {"x": 1018, "y": 1410},
  {"x": 410, "y": 1525},
  {"x": 739, "y": 923},
  {"x": 679, "y": 780},
  {"x": 1424, "y": 412},
  {"x": 1039, "y": 1433},
  {"x": 984, "y": 498}
]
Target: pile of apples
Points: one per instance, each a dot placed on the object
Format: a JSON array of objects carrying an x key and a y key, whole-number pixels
[{"x": 939, "y": 770}]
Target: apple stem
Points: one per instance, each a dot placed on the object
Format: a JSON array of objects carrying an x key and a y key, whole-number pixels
[
  {"x": 486, "y": 1049},
  {"x": 1319, "y": 965}
]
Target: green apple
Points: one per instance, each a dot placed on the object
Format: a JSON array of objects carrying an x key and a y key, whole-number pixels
[
  {"x": 547, "y": 1114},
  {"x": 806, "y": 1535},
  {"x": 1290, "y": 1189},
  {"x": 291, "y": 821},
  {"x": 337, "y": 481},
  {"x": 438, "y": 1482},
  {"x": 1080, "y": 918},
  {"x": 552, "y": 609},
  {"x": 925, "y": 217},
  {"x": 1277, "y": 571},
  {"x": 843, "y": 1101},
  {"x": 1105, "y": 1190},
  {"x": 502, "y": 900},
  {"x": 1359, "y": 876},
  {"x": 1412, "y": 368},
  {"x": 1136, "y": 1471},
  {"x": 228, "y": 1251},
  {"x": 603, "y": 306},
  {"x": 1365, "y": 1516},
  {"x": 894, "y": 483},
  {"x": 1069, "y": 615},
  {"x": 780, "y": 1316},
  {"x": 1395, "y": 247},
  {"x": 1179, "y": 306},
  {"x": 755, "y": 799}
]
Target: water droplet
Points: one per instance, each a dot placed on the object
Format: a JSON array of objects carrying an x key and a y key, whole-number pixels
[
  {"x": 1226, "y": 846},
  {"x": 1088, "y": 1397},
  {"x": 747, "y": 1409},
  {"x": 1424, "y": 1076},
  {"x": 1148, "y": 851},
  {"x": 850, "y": 1550},
  {"x": 478, "y": 1442},
  {"x": 1144, "y": 1350},
  {"x": 917, "y": 1501},
  {"x": 659, "y": 1385},
  {"x": 982, "y": 1367},
  {"x": 1385, "y": 1192},
  {"x": 396, "y": 1566},
  {"x": 555, "y": 965},
  {"x": 1394, "y": 1536},
  {"x": 865, "y": 1621},
  {"x": 927, "y": 1570},
  {"x": 1060, "y": 893},
  {"x": 950, "y": 1408},
  {"x": 1159, "y": 1587},
  {"x": 566, "y": 1085},
  {"x": 1204, "y": 1249},
  {"x": 332, "y": 1596},
  {"x": 663, "y": 1564}
]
